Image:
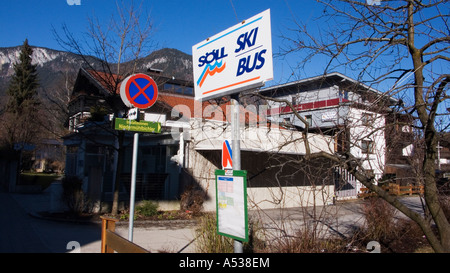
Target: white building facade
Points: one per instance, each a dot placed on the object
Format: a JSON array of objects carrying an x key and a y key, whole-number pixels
[{"x": 340, "y": 107}]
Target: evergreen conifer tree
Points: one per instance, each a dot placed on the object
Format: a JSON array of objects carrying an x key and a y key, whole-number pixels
[
  {"x": 22, "y": 90},
  {"x": 20, "y": 122}
]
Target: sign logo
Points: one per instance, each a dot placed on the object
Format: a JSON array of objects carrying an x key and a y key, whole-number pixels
[
  {"x": 227, "y": 155},
  {"x": 209, "y": 69},
  {"x": 139, "y": 90},
  {"x": 234, "y": 60}
]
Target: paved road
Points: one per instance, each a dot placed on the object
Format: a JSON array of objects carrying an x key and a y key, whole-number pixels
[
  {"x": 22, "y": 233},
  {"x": 340, "y": 220},
  {"x": 17, "y": 231}
]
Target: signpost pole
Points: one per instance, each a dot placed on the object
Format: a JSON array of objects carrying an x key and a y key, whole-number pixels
[
  {"x": 236, "y": 148},
  {"x": 219, "y": 72},
  {"x": 133, "y": 186},
  {"x": 141, "y": 91}
]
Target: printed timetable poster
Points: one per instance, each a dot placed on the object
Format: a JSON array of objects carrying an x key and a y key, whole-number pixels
[{"x": 231, "y": 204}]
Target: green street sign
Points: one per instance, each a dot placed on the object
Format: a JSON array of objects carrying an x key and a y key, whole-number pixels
[{"x": 137, "y": 126}]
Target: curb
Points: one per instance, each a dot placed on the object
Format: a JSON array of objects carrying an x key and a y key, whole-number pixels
[
  {"x": 37, "y": 215},
  {"x": 138, "y": 223}
]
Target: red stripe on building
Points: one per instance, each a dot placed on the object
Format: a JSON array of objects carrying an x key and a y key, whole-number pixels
[{"x": 306, "y": 106}]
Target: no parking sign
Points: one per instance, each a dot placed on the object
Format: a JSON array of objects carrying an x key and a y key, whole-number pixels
[{"x": 139, "y": 90}]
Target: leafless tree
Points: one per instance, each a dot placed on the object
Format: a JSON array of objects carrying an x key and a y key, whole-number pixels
[
  {"x": 110, "y": 50},
  {"x": 400, "y": 43}
]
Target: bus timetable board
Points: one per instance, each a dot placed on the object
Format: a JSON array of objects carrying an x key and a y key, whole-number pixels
[{"x": 231, "y": 204}]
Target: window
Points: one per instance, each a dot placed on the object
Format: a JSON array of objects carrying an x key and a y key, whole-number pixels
[
  {"x": 308, "y": 119},
  {"x": 343, "y": 95},
  {"x": 367, "y": 119},
  {"x": 188, "y": 90},
  {"x": 286, "y": 121},
  {"x": 180, "y": 89},
  {"x": 72, "y": 149},
  {"x": 367, "y": 146}
]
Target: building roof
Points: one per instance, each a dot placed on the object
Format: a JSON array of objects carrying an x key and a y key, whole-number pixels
[
  {"x": 210, "y": 109},
  {"x": 105, "y": 82},
  {"x": 331, "y": 78}
]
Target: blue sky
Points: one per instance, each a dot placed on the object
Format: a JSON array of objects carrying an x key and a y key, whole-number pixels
[{"x": 178, "y": 24}]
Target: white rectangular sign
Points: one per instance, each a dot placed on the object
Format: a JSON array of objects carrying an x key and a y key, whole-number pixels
[
  {"x": 231, "y": 202},
  {"x": 234, "y": 60}
]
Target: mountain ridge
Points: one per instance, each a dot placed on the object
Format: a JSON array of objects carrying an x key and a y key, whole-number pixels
[{"x": 57, "y": 69}]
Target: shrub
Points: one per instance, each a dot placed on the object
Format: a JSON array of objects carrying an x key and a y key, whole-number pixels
[
  {"x": 208, "y": 241},
  {"x": 379, "y": 218},
  {"x": 192, "y": 199},
  {"x": 147, "y": 208},
  {"x": 304, "y": 240},
  {"x": 73, "y": 194}
]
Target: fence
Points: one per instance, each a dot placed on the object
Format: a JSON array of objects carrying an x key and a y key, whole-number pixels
[
  {"x": 346, "y": 185},
  {"x": 394, "y": 189},
  {"x": 148, "y": 185},
  {"x": 112, "y": 242}
]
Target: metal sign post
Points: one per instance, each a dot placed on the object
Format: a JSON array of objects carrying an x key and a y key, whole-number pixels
[
  {"x": 140, "y": 91},
  {"x": 236, "y": 148},
  {"x": 133, "y": 186},
  {"x": 236, "y": 59}
]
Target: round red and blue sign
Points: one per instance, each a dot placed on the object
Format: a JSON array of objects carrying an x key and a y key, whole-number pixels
[{"x": 139, "y": 90}]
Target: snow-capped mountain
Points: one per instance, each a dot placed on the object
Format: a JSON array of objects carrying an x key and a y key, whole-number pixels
[
  {"x": 41, "y": 57},
  {"x": 57, "y": 70},
  {"x": 171, "y": 61}
]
